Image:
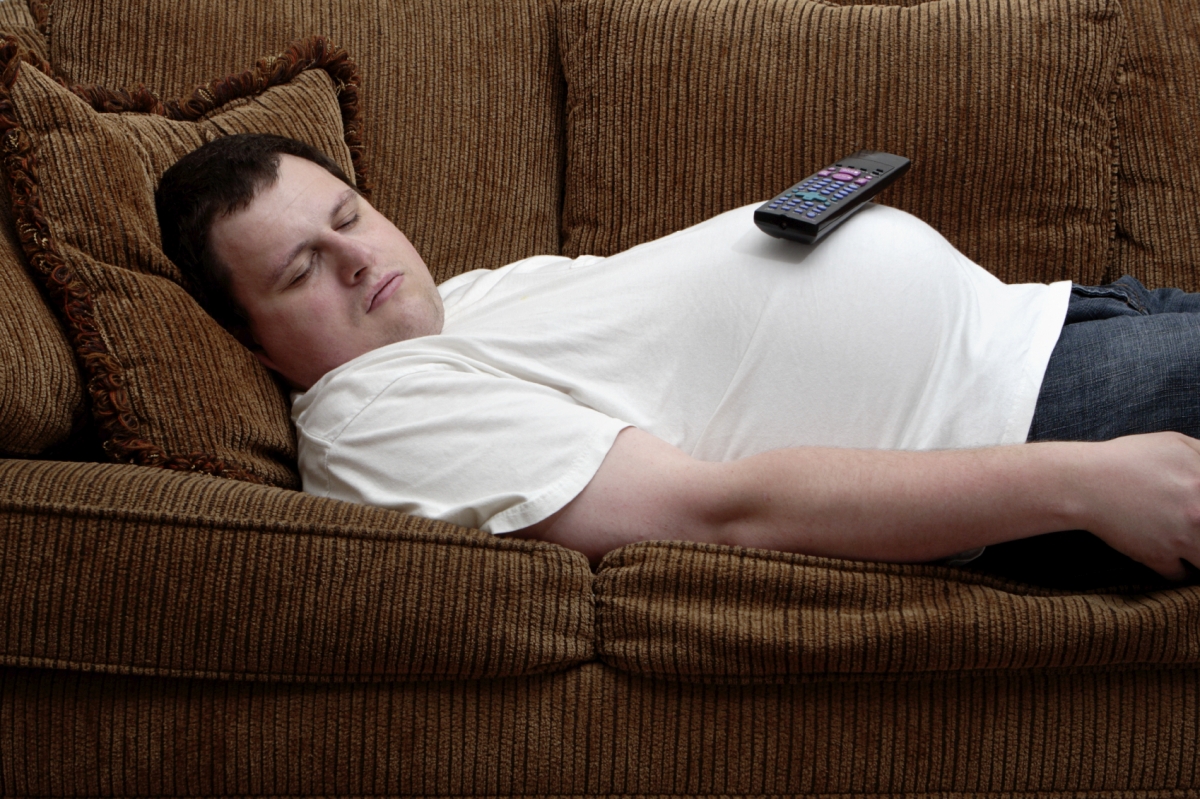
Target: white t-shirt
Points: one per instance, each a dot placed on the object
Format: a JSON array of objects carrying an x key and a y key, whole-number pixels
[{"x": 718, "y": 339}]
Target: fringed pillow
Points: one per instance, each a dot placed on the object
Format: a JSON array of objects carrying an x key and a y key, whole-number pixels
[
  {"x": 461, "y": 101},
  {"x": 167, "y": 385},
  {"x": 41, "y": 395}
]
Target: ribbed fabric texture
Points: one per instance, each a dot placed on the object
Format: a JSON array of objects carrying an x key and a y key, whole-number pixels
[
  {"x": 172, "y": 378},
  {"x": 18, "y": 19},
  {"x": 708, "y": 613},
  {"x": 40, "y": 391},
  {"x": 120, "y": 569},
  {"x": 41, "y": 395},
  {"x": 596, "y": 731},
  {"x": 170, "y": 634},
  {"x": 462, "y": 100},
  {"x": 681, "y": 110},
  {"x": 1158, "y": 124}
]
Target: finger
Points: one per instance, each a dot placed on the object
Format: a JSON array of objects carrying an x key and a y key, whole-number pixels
[{"x": 1174, "y": 574}]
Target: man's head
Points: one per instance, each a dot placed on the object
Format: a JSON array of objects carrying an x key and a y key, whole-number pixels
[{"x": 290, "y": 256}]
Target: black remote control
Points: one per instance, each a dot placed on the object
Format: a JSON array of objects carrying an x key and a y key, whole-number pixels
[{"x": 808, "y": 211}]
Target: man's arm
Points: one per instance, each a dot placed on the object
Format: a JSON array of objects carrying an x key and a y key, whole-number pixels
[{"x": 1141, "y": 494}]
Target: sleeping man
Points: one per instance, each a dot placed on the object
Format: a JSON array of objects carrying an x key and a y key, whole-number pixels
[{"x": 869, "y": 397}]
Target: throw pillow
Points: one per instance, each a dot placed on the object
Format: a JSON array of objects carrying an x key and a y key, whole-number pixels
[
  {"x": 461, "y": 101},
  {"x": 682, "y": 109},
  {"x": 41, "y": 396},
  {"x": 168, "y": 386}
]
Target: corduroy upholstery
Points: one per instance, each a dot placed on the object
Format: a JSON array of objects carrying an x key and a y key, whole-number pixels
[
  {"x": 1158, "y": 133},
  {"x": 171, "y": 634},
  {"x": 168, "y": 634},
  {"x": 597, "y": 731},
  {"x": 167, "y": 384},
  {"x": 700, "y": 612},
  {"x": 679, "y": 111},
  {"x": 461, "y": 101},
  {"x": 178, "y": 575},
  {"x": 41, "y": 396}
]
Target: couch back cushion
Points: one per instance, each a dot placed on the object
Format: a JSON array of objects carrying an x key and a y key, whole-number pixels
[
  {"x": 461, "y": 102},
  {"x": 168, "y": 387},
  {"x": 41, "y": 396},
  {"x": 681, "y": 109},
  {"x": 1158, "y": 128}
]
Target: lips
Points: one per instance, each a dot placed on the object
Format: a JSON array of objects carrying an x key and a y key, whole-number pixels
[{"x": 384, "y": 289}]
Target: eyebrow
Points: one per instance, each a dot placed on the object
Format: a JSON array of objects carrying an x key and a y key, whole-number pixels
[{"x": 277, "y": 272}]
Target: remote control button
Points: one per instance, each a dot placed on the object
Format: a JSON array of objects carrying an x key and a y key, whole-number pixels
[
  {"x": 843, "y": 176},
  {"x": 854, "y": 172},
  {"x": 824, "y": 173},
  {"x": 811, "y": 214},
  {"x": 863, "y": 181}
]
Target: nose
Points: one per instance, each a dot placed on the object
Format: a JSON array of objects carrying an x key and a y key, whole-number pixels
[{"x": 354, "y": 260}]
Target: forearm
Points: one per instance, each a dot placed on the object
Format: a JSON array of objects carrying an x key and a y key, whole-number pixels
[
  {"x": 1141, "y": 494},
  {"x": 900, "y": 506}
]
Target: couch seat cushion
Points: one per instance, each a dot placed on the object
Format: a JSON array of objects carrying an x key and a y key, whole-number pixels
[
  {"x": 723, "y": 614},
  {"x": 179, "y": 575}
]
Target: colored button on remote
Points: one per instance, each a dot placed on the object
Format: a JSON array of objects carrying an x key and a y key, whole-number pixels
[{"x": 843, "y": 176}]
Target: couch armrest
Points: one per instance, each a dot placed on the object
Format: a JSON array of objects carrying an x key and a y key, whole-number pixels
[
  {"x": 135, "y": 570},
  {"x": 721, "y": 614}
]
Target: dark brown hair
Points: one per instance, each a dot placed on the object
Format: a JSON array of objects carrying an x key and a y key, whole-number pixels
[{"x": 217, "y": 179}]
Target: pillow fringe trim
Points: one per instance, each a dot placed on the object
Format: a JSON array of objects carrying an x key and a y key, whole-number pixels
[
  {"x": 119, "y": 426},
  {"x": 40, "y": 10}
]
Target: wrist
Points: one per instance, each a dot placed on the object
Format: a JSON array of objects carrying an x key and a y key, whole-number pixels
[{"x": 1082, "y": 469}]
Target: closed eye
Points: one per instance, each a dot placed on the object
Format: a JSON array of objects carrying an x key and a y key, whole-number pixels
[
  {"x": 303, "y": 273},
  {"x": 348, "y": 223}
]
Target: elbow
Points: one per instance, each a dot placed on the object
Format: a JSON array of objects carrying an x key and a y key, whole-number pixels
[{"x": 723, "y": 514}]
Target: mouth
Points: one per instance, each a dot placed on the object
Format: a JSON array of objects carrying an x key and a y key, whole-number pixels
[{"x": 385, "y": 288}]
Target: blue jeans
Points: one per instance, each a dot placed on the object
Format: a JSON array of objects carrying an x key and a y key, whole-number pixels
[{"x": 1127, "y": 361}]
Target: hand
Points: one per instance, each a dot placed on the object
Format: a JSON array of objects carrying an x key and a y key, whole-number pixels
[{"x": 1142, "y": 497}]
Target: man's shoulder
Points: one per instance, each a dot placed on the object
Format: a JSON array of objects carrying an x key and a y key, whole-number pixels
[{"x": 368, "y": 379}]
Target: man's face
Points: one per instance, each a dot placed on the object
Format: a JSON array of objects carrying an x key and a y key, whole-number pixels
[{"x": 322, "y": 276}]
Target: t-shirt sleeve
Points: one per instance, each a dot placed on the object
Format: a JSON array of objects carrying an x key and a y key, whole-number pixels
[{"x": 475, "y": 449}]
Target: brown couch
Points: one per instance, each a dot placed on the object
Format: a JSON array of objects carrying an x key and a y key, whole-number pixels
[{"x": 177, "y": 619}]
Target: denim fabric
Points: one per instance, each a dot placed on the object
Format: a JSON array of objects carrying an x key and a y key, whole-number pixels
[{"x": 1127, "y": 361}]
